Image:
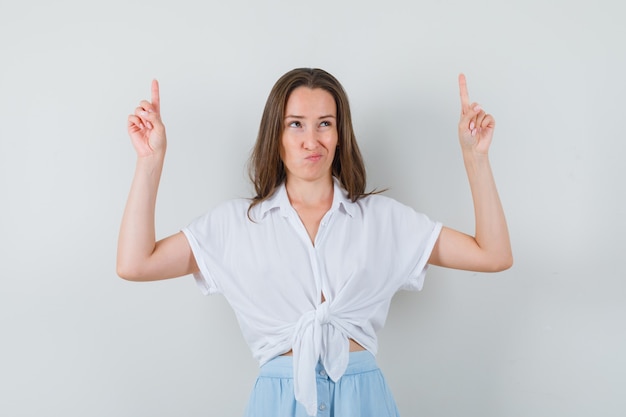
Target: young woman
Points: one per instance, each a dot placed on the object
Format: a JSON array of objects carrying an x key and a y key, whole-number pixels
[{"x": 310, "y": 264}]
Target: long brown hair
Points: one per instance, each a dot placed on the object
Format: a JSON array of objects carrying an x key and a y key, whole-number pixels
[{"x": 266, "y": 169}]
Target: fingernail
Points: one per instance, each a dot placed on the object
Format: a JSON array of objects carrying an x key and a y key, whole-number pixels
[
  {"x": 472, "y": 125},
  {"x": 477, "y": 108},
  {"x": 473, "y": 132},
  {"x": 143, "y": 113}
]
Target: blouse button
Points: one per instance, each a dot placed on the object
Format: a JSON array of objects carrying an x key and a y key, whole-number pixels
[
  {"x": 322, "y": 407},
  {"x": 323, "y": 372}
]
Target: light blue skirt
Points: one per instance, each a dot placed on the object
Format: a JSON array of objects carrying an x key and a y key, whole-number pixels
[{"x": 361, "y": 391}]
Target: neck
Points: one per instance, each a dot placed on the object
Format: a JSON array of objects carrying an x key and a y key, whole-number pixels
[{"x": 310, "y": 193}]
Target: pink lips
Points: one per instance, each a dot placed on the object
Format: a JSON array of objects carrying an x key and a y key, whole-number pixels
[{"x": 314, "y": 158}]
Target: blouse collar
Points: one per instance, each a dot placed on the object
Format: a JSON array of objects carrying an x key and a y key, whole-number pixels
[{"x": 280, "y": 200}]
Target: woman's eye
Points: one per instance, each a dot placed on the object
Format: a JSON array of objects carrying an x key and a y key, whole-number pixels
[
  {"x": 295, "y": 124},
  {"x": 325, "y": 123}
]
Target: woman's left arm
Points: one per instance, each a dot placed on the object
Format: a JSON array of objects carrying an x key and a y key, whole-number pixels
[{"x": 490, "y": 249}]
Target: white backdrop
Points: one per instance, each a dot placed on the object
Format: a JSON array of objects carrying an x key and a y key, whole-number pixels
[{"x": 546, "y": 338}]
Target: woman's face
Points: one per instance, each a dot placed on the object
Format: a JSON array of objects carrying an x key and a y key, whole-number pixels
[{"x": 309, "y": 136}]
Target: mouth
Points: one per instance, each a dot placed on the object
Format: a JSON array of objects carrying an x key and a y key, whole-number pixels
[{"x": 314, "y": 157}]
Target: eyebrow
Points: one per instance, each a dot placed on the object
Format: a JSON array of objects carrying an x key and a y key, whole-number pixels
[{"x": 293, "y": 116}]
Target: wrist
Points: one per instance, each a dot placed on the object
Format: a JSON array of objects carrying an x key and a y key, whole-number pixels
[
  {"x": 476, "y": 163},
  {"x": 150, "y": 163},
  {"x": 470, "y": 154},
  {"x": 155, "y": 157}
]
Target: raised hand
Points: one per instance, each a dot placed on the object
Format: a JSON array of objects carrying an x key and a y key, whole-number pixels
[
  {"x": 489, "y": 250},
  {"x": 145, "y": 128},
  {"x": 475, "y": 126}
]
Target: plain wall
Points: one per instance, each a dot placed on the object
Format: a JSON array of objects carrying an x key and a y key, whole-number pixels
[{"x": 545, "y": 338}]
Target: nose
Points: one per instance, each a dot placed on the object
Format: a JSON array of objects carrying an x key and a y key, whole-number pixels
[{"x": 310, "y": 140}]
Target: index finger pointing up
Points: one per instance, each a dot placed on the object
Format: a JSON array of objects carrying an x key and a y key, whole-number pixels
[
  {"x": 465, "y": 103},
  {"x": 156, "y": 100}
]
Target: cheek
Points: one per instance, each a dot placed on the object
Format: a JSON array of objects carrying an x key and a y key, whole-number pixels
[
  {"x": 281, "y": 149},
  {"x": 332, "y": 141},
  {"x": 335, "y": 152}
]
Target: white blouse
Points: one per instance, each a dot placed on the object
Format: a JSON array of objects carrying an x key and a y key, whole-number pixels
[{"x": 274, "y": 277}]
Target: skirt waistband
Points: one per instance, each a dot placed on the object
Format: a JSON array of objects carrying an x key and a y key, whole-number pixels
[{"x": 282, "y": 366}]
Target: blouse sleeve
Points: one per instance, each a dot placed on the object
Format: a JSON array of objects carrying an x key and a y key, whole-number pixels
[
  {"x": 429, "y": 233},
  {"x": 415, "y": 237},
  {"x": 205, "y": 236}
]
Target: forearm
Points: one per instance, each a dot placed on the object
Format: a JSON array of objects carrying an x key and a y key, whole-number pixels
[
  {"x": 491, "y": 234},
  {"x": 137, "y": 238}
]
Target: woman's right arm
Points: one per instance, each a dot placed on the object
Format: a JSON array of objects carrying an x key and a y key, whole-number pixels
[{"x": 139, "y": 256}]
